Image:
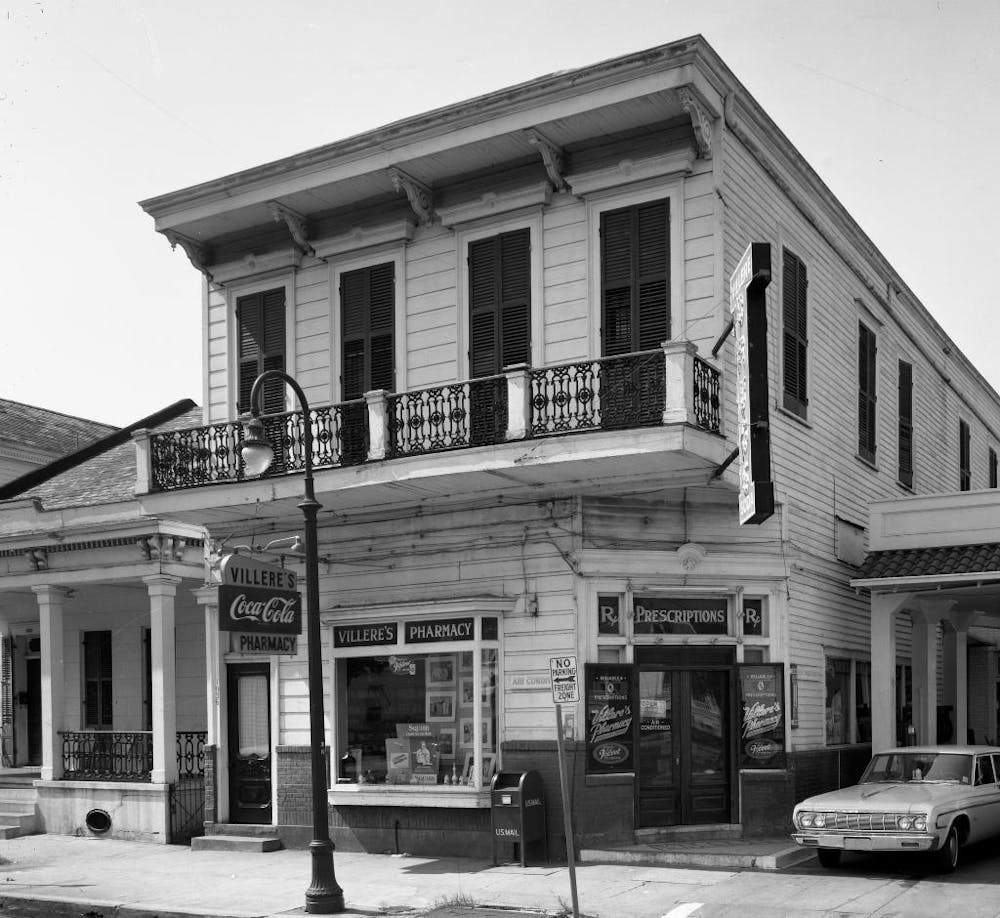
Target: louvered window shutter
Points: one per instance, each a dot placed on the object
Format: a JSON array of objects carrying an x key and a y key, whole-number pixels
[
  {"x": 906, "y": 423},
  {"x": 794, "y": 328},
  {"x": 866, "y": 392},
  {"x": 261, "y": 335},
  {"x": 98, "y": 697},
  {"x": 635, "y": 278},
  {"x": 500, "y": 302},
  {"x": 368, "y": 315}
]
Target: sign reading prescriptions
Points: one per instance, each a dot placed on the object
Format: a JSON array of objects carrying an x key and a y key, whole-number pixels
[
  {"x": 565, "y": 687},
  {"x": 258, "y": 598}
]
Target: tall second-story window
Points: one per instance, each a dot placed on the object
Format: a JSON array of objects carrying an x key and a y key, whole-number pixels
[
  {"x": 367, "y": 320},
  {"x": 500, "y": 302},
  {"x": 98, "y": 701},
  {"x": 905, "y": 446},
  {"x": 866, "y": 392},
  {"x": 260, "y": 321},
  {"x": 993, "y": 467},
  {"x": 635, "y": 277},
  {"x": 794, "y": 328},
  {"x": 964, "y": 456}
]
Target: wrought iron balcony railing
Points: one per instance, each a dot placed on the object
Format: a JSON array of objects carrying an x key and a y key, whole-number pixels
[
  {"x": 664, "y": 386},
  {"x": 119, "y": 755}
]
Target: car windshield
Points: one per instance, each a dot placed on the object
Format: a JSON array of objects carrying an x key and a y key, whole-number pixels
[{"x": 904, "y": 767}]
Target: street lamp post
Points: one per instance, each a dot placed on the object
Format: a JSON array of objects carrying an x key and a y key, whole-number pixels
[{"x": 324, "y": 896}]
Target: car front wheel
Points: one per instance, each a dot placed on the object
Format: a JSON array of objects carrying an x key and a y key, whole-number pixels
[
  {"x": 946, "y": 859},
  {"x": 828, "y": 857}
]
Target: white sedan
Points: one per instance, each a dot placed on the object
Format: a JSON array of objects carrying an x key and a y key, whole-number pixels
[{"x": 916, "y": 798}]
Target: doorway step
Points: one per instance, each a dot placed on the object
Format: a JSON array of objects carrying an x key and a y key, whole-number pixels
[
  {"x": 18, "y": 804},
  {"x": 221, "y": 836},
  {"x": 715, "y": 846}
]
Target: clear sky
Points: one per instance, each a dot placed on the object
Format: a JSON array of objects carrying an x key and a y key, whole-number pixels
[{"x": 106, "y": 102}]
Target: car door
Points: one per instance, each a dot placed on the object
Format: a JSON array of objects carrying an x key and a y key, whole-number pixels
[{"x": 985, "y": 807}]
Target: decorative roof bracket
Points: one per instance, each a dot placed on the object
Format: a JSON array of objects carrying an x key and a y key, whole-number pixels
[
  {"x": 197, "y": 253},
  {"x": 420, "y": 196},
  {"x": 552, "y": 157},
  {"x": 296, "y": 223},
  {"x": 700, "y": 121}
]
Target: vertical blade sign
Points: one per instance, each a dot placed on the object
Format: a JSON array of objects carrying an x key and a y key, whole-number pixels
[{"x": 748, "y": 304}]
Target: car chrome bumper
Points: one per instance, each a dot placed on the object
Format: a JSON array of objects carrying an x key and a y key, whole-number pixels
[{"x": 859, "y": 841}]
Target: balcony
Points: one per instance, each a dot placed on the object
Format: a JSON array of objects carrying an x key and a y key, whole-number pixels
[{"x": 670, "y": 387}]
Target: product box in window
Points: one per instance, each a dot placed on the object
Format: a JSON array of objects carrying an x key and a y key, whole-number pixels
[
  {"x": 425, "y": 760},
  {"x": 398, "y": 761}
]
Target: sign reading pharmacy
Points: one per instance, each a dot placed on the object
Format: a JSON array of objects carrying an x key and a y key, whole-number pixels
[
  {"x": 747, "y": 302},
  {"x": 258, "y": 598}
]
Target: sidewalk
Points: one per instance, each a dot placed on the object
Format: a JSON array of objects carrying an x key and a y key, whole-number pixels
[{"x": 43, "y": 873}]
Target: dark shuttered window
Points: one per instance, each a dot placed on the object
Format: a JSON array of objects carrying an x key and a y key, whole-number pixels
[
  {"x": 993, "y": 467},
  {"x": 635, "y": 278},
  {"x": 98, "y": 702},
  {"x": 500, "y": 302},
  {"x": 866, "y": 392},
  {"x": 905, "y": 445},
  {"x": 794, "y": 339},
  {"x": 368, "y": 318},
  {"x": 261, "y": 332},
  {"x": 964, "y": 456}
]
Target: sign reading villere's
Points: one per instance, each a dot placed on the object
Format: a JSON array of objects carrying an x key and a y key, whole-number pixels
[{"x": 258, "y": 597}]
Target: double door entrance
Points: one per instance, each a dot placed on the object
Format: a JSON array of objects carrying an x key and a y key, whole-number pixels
[{"x": 684, "y": 736}]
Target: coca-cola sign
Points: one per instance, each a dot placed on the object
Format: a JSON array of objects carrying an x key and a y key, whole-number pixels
[{"x": 251, "y": 600}]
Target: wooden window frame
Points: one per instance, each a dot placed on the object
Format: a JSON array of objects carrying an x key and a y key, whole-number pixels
[
  {"x": 794, "y": 333},
  {"x": 236, "y": 293},
  {"x": 867, "y": 392},
  {"x": 905, "y": 423},
  {"x": 368, "y": 276},
  {"x": 97, "y": 667},
  {"x": 993, "y": 467}
]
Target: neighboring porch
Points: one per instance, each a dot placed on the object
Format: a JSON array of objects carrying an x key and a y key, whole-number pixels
[{"x": 936, "y": 562}]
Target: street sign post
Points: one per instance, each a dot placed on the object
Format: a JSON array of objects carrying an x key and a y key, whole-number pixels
[{"x": 565, "y": 688}]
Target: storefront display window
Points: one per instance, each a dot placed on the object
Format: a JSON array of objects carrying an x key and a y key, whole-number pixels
[
  {"x": 838, "y": 687},
  {"x": 411, "y": 714}
]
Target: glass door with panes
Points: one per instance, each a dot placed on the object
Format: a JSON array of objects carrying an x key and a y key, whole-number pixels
[{"x": 249, "y": 743}]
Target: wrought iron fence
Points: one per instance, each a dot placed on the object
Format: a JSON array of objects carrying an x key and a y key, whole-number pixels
[
  {"x": 191, "y": 753},
  {"x": 706, "y": 396},
  {"x": 610, "y": 393},
  {"x": 107, "y": 755},
  {"x": 472, "y": 413},
  {"x": 116, "y": 755},
  {"x": 207, "y": 455}
]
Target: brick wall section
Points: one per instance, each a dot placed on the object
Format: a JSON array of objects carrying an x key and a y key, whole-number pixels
[
  {"x": 293, "y": 795},
  {"x": 211, "y": 785}
]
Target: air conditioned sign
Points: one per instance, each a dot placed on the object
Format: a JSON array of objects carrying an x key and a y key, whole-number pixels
[{"x": 258, "y": 598}]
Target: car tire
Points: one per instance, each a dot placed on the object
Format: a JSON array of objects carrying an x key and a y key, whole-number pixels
[
  {"x": 828, "y": 857},
  {"x": 946, "y": 859}
]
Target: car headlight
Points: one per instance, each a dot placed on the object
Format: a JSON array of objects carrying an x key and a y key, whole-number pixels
[
  {"x": 904, "y": 822},
  {"x": 805, "y": 819},
  {"x": 819, "y": 820},
  {"x": 920, "y": 823}
]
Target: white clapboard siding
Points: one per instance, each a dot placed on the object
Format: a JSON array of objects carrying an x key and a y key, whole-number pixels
[{"x": 431, "y": 306}]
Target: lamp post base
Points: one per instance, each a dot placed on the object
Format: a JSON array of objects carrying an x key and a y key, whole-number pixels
[{"x": 324, "y": 896}]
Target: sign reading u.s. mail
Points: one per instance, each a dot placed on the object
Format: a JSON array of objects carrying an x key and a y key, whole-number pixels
[
  {"x": 258, "y": 598},
  {"x": 565, "y": 688}
]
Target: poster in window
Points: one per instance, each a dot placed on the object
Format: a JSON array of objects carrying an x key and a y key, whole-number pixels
[
  {"x": 441, "y": 671},
  {"x": 762, "y": 724},
  {"x": 609, "y": 718}
]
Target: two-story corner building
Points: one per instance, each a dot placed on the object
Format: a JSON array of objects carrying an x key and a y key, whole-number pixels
[{"x": 511, "y": 320}]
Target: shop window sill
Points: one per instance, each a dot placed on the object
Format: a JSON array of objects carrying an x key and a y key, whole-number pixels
[{"x": 441, "y": 795}]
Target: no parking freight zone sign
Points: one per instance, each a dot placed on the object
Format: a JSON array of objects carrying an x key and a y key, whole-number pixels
[{"x": 565, "y": 688}]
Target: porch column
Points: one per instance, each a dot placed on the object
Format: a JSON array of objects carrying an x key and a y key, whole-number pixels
[
  {"x": 215, "y": 647},
  {"x": 678, "y": 407},
  {"x": 926, "y": 616},
  {"x": 50, "y": 616},
  {"x": 883, "y": 627},
  {"x": 162, "y": 590},
  {"x": 955, "y": 672}
]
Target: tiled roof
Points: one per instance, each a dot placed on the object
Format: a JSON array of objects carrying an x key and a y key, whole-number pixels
[
  {"x": 931, "y": 562},
  {"x": 104, "y": 479},
  {"x": 47, "y": 431}
]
